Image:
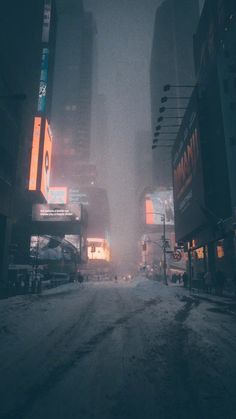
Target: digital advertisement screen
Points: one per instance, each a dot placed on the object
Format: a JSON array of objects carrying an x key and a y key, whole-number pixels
[
  {"x": 98, "y": 249},
  {"x": 43, "y": 80},
  {"x": 157, "y": 204},
  {"x": 35, "y": 154},
  {"x": 46, "y": 162},
  {"x": 56, "y": 213},
  {"x": 188, "y": 174}
]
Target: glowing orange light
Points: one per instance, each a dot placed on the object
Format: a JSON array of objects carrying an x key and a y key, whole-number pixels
[
  {"x": 35, "y": 154},
  {"x": 149, "y": 211},
  {"x": 98, "y": 249}
]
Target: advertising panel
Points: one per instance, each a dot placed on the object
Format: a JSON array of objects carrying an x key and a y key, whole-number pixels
[
  {"x": 35, "y": 154},
  {"x": 188, "y": 174},
  {"x": 98, "y": 249},
  {"x": 56, "y": 213},
  {"x": 157, "y": 203},
  {"x": 46, "y": 161},
  {"x": 43, "y": 80},
  {"x": 57, "y": 195}
]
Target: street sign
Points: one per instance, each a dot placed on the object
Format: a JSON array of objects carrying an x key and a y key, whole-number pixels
[{"x": 176, "y": 255}]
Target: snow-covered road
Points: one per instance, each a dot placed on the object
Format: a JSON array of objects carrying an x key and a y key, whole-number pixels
[{"x": 117, "y": 351}]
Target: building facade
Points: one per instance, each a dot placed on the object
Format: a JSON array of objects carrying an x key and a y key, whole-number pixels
[
  {"x": 21, "y": 32},
  {"x": 72, "y": 98},
  {"x": 202, "y": 158},
  {"x": 171, "y": 63}
]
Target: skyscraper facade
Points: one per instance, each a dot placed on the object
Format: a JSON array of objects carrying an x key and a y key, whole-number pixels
[
  {"x": 20, "y": 78},
  {"x": 72, "y": 99},
  {"x": 171, "y": 63}
]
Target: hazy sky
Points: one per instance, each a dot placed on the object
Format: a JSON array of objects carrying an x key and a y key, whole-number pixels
[{"x": 125, "y": 30}]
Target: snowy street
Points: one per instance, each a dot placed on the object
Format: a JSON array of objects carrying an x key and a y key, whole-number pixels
[{"x": 119, "y": 350}]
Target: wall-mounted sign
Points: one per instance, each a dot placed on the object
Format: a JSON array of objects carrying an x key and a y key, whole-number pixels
[
  {"x": 157, "y": 204},
  {"x": 43, "y": 80},
  {"x": 35, "y": 154},
  {"x": 40, "y": 166},
  {"x": 55, "y": 213}
]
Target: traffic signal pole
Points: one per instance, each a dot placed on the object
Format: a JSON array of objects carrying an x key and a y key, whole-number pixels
[{"x": 164, "y": 248}]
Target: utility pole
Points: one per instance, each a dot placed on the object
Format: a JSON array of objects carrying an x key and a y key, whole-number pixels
[
  {"x": 164, "y": 243},
  {"x": 163, "y": 219}
]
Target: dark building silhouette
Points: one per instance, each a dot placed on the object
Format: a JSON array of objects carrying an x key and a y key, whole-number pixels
[
  {"x": 21, "y": 31},
  {"x": 72, "y": 99},
  {"x": 171, "y": 63},
  {"x": 204, "y": 154}
]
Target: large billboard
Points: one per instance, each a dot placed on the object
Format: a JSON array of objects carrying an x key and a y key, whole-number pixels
[
  {"x": 98, "y": 249},
  {"x": 56, "y": 213},
  {"x": 157, "y": 204},
  {"x": 35, "y": 154},
  {"x": 46, "y": 161},
  {"x": 188, "y": 174},
  {"x": 40, "y": 166}
]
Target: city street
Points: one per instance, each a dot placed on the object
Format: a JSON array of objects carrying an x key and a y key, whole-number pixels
[{"x": 117, "y": 350}]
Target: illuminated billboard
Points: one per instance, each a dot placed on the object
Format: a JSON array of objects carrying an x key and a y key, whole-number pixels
[
  {"x": 40, "y": 165},
  {"x": 46, "y": 161},
  {"x": 57, "y": 195},
  {"x": 35, "y": 154},
  {"x": 158, "y": 203},
  {"x": 98, "y": 249},
  {"x": 43, "y": 80},
  {"x": 188, "y": 173},
  {"x": 55, "y": 213}
]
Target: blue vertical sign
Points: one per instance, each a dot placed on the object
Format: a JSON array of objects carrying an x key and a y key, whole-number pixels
[{"x": 43, "y": 81}]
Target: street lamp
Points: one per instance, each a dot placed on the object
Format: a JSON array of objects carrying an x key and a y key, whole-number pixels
[
  {"x": 167, "y": 87},
  {"x": 164, "y": 242},
  {"x": 165, "y": 98},
  {"x": 160, "y": 119},
  {"x": 168, "y": 126},
  {"x": 163, "y": 108}
]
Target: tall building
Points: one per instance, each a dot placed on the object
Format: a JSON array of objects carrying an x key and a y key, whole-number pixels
[
  {"x": 204, "y": 152},
  {"x": 171, "y": 63},
  {"x": 72, "y": 99},
  {"x": 100, "y": 143},
  {"x": 23, "y": 24}
]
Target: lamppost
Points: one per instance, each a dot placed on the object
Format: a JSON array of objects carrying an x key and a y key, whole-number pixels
[{"x": 164, "y": 242}]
